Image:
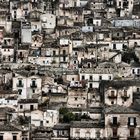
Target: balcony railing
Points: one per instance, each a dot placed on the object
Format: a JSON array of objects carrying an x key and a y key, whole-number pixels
[
  {"x": 114, "y": 124},
  {"x": 20, "y": 85},
  {"x": 33, "y": 85},
  {"x": 132, "y": 125},
  {"x": 112, "y": 96},
  {"x": 115, "y": 138},
  {"x": 131, "y": 138},
  {"x": 125, "y": 96}
]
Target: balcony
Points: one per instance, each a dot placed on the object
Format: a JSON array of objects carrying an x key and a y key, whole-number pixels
[
  {"x": 132, "y": 125},
  {"x": 20, "y": 85},
  {"x": 114, "y": 124},
  {"x": 125, "y": 96},
  {"x": 115, "y": 138},
  {"x": 112, "y": 96},
  {"x": 33, "y": 85},
  {"x": 131, "y": 138}
]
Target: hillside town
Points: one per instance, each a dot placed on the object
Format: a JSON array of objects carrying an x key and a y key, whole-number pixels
[{"x": 69, "y": 69}]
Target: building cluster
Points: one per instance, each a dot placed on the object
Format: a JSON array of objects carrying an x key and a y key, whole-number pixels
[{"x": 69, "y": 69}]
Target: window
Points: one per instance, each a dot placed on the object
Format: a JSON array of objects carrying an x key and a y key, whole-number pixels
[
  {"x": 90, "y": 85},
  {"x": 138, "y": 71},
  {"x": 112, "y": 93},
  {"x": 97, "y": 23},
  {"x": 31, "y": 107},
  {"x": 119, "y": 3},
  {"x": 134, "y": 35},
  {"x": 45, "y": 8},
  {"x": 114, "y": 46},
  {"x": 90, "y": 77},
  {"x": 131, "y": 121},
  {"x": 1, "y": 137},
  {"x": 138, "y": 89},
  {"x": 14, "y": 137},
  {"x": 33, "y": 83},
  {"x": 125, "y": 92},
  {"x": 74, "y": 4},
  {"x": 74, "y": 62},
  {"x": 64, "y": 59},
  {"x": 47, "y": 121},
  {"x": 72, "y": 79},
  {"x": 112, "y": 102},
  {"x": 109, "y": 77},
  {"x": 75, "y": 98},
  {"x": 75, "y": 53},
  {"x": 54, "y": 52},
  {"x": 33, "y": 90},
  {"x": 19, "y": 91},
  {"x": 41, "y": 123},
  {"x": 88, "y": 65},
  {"x": 83, "y": 77},
  {"x": 20, "y": 82},
  {"x": 114, "y": 120},
  {"x": 133, "y": 71},
  {"x": 21, "y": 106},
  {"x": 4, "y": 58},
  {"x": 118, "y": 34},
  {"x": 9, "y": 58},
  {"x": 100, "y": 77},
  {"x": 64, "y": 52}
]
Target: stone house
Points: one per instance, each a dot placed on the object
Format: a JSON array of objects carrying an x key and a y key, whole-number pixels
[
  {"x": 61, "y": 131},
  {"x": 121, "y": 123},
  {"x": 48, "y": 118},
  {"x": 118, "y": 92},
  {"x": 26, "y": 105},
  {"x": 95, "y": 76},
  {"x": 77, "y": 97},
  {"x": 35, "y": 21},
  {"x": 27, "y": 85},
  {"x": 48, "y": 25},
  {"x": 22, "y": 53},
  {"x": 8, "y": 131},
  {"x": 86, "y": 130}
]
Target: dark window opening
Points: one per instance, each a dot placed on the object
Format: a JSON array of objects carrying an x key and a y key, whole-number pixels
[
  {"x": 14, "y": 137},
  {"x": 100, "y": 77},
  {"x": 83, "y": 77},
  {"x": 21, "y": 106},
  {"x": 31, "y": 107},
  {"x": 115, "y": 120},
  {"x": 90, "y": 85},
  {"x": 1, "y": 137},
  {"x": 114, "y": 46}
]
